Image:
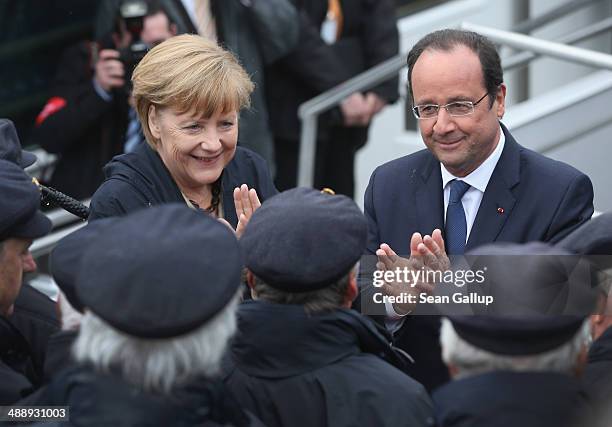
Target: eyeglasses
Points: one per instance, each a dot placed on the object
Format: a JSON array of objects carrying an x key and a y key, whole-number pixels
[{"x": 455, "y": 109}]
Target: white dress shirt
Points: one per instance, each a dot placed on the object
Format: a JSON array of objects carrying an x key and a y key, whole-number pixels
[{"x": 478, "y": 181}]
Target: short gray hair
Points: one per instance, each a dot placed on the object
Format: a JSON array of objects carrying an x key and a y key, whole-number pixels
[
  {"x": 151, "y": 364},
  {"x": 470, "y": 360},
  {"x": 323, "y": 300}
]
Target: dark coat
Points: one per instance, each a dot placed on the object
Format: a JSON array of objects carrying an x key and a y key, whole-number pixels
[
  {"x": 37, "y": 319},
  {"x": 543, "y": 200},
  {"x": 139, "y": 179},
  {"x": 292, "y": 369},
  {"x": 105, "y": 400},
  {"x": 597, "y": 376},
  {"x": 86, "y": 132},
  {"x": 369, "y": 36},
  {"x": 510, "y": 399},
  {"x": 17, "y": 375}
]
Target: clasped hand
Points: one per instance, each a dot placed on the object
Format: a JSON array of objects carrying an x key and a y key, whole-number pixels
[{"x": 426, "y": 254}]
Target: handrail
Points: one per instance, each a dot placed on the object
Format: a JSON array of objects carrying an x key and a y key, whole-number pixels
[
  {"x": 529, "y": 25},
  {"x": 544, "y": 47},
  {"x": 61, "y": 217},
  {"x": 43, "y": 245},
  {"x": 309, "y": 110},
  {"x": 523, "y": 58}
]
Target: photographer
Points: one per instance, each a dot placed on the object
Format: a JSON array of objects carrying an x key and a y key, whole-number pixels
[{"x": 86, "y": 120}]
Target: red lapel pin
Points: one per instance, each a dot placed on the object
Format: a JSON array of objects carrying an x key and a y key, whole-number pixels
[{"x": 500, "y": 210}]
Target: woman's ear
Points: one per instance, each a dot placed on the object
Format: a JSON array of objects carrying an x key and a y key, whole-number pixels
[{"x": 153, "y": 119}]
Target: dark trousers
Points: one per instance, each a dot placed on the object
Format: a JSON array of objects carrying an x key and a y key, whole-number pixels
[{"x": 334, "y": 161}]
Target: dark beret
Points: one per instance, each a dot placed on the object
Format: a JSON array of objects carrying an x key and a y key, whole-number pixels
[
  {"x": 66, "y": 256},
  {"x": 20, "y": 216},
  {"x": 594, "y": 237},
  {"x": 303, "y": 240},
  {"x": 534, "y": 278},
  {"x": 542, "y": 295},
  {"x": 160, "y": 272},
  {"x": 10, "y": 148},
  {"x": 516, "y": 336}
]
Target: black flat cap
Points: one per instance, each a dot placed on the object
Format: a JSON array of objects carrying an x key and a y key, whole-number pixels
[
  {"x": 160, "y": 272},
  {"x": 594, "y": 237},
  {"x": 516, "y": 336},
  {"x": 10, "y": 148},
  {"x": 542, "y": 295},
  {"x": 66, "y": 257},
  {"x": 20, "y": 216},
  {"x": 534, "y": 279},
  {"x": 303, "y": 240}
]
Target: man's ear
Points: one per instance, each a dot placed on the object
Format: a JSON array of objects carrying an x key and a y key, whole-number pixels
[
  {"x": 351, "y": 290},
  {"x": 452, "y": 370},
  {"x": 250, "y": 278},
  {"x": 501, "y": 101},
  {"x": 153, "y": 119}
]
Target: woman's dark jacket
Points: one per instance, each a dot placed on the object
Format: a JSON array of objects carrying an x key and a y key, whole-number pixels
[{"x": 140, "y": 179}]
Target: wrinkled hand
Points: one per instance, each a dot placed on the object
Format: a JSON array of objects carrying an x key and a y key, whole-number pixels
[
  {"x": 355, "y": 110},
  {"x": 246, "y": 202},
  {"x": 426, "y": 254},
  {"x": 109, "y": 71},
  {"x": 430, "y": 251}
]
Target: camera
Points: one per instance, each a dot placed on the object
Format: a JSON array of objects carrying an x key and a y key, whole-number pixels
[{"x": 132, "y": 14}]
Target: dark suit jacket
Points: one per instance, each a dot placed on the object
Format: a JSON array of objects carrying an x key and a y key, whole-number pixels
[{"x": 542, "y": 200}]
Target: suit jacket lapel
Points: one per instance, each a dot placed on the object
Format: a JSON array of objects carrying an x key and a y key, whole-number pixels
[
  {"x": 498, "y": 200},
  {"x": 429, "y": 198}
]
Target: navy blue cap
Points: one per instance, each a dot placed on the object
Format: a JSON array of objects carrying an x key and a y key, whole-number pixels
[
  {"x": 542, "y": 295},
  {"x": 302, "y": 240},
  {"x": 516, "y": 336},
  {"x": 66, "y": 256},
  {"x": 594, "y": 237},
  {"x": 533, "y": 279},
  {"x": 160, "y": 272},
  {"x": 20, "y": 216},
  {"x": 10, "y": 148}
]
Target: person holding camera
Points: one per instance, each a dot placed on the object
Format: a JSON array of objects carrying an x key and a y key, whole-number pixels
[{"x": 88, "y": 119}]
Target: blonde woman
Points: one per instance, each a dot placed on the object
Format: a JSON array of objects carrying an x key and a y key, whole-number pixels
[{"x": 188, "y": 93}]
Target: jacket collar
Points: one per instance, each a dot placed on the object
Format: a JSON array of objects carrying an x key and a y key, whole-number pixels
[
  {"x": 89, "y": 395},
  {"x": 601, "y": 349},
  {"x": 485, "y": 399},
  {"x": 309, "y": 341},
  {"x": 498, "y": 201}
]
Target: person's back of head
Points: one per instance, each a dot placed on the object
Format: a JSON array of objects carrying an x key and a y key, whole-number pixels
[
  {"x": 541, "y": 296},
  {"x": 301, "y": 248},
  {"x": 159, "y": 289}
]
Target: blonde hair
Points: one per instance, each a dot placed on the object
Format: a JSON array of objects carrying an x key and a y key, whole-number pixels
[{"x": 189, "y": 72}]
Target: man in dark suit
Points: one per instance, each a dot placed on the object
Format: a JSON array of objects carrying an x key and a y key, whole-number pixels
[{"x": 473, "y": 184}]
